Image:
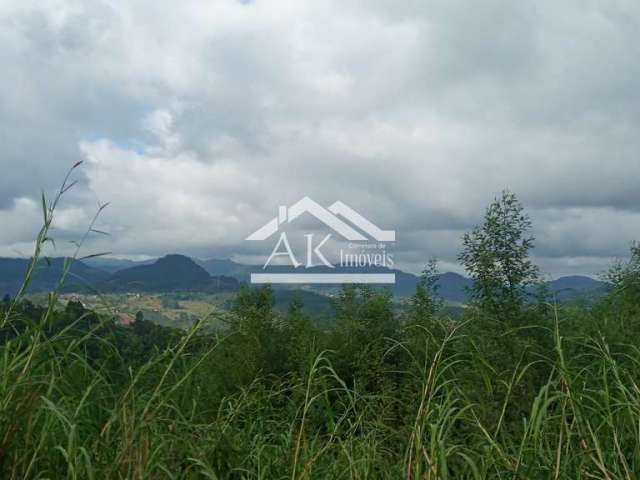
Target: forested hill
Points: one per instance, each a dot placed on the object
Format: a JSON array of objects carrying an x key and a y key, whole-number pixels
[{"x": 172, "y": 272}]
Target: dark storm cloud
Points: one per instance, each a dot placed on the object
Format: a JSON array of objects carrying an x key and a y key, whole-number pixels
[{"x": 197, "y": 120}]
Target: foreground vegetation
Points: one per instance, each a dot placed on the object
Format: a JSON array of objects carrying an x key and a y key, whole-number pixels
[
  {"x": 85, "y": 397},
  {"x": 515, "y": 388}
]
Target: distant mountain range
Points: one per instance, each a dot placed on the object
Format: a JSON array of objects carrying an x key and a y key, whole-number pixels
[
  {"x": 452, "y": 286},
  {"x": 180, "y": 273},
  {"x": 112, "y": 265},
  {"x": 46, "y": 275},
  {"x": 571, "y": 286},
  {"x": 169, "y": 273}
]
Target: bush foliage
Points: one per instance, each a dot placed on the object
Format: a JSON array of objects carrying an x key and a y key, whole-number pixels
[{"x": 541, "y": 390}]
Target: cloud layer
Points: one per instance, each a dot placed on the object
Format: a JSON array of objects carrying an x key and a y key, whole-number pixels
[{"x": 196, "y": 120}]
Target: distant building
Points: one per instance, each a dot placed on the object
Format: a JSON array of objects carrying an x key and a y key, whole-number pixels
[{"x": 126, "y": 319}]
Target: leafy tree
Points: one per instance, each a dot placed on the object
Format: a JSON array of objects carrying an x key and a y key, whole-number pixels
[
  {"x": 624, "y": 277},
  {"x": 300, "y": 336},
  {"x": 496, "y": 254},
  {"x": 365, "y": 322},
  {"x": 257, "y": 332},
  {"x": 253, "y": 309},
  {"x": 425, "y": 302}
]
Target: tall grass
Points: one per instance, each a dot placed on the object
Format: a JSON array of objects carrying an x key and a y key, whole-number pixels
[
  {"x": 62, "y": 416},
  {"x": 453, "y": 407}
]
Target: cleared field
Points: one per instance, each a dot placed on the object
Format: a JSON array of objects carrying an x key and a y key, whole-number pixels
[{"x": 174, "y": 310}]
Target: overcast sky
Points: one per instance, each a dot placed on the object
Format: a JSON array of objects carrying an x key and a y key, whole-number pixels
[{"x": 197, "y": 119}]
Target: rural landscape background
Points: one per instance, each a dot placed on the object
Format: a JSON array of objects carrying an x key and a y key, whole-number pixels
[{"x": 141, "y": 142}]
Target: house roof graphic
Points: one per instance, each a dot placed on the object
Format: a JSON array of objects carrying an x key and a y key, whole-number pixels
[{"x": 330, "y": 217}]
